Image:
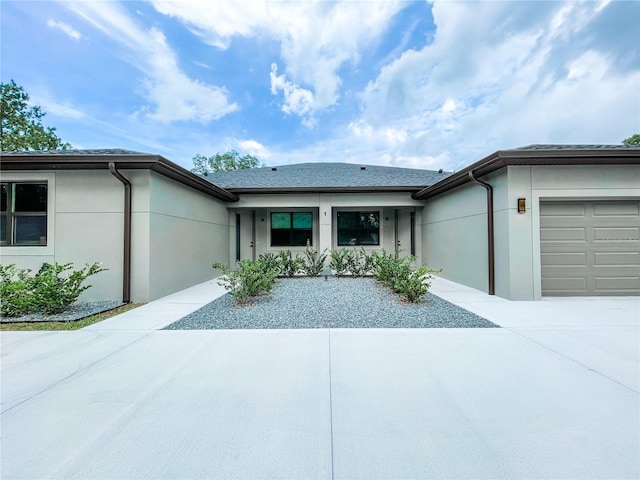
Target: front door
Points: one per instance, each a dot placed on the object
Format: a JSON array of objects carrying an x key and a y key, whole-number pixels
[
  {"x": 245, "y": 234},
  {"x": 405, "y": 232}
]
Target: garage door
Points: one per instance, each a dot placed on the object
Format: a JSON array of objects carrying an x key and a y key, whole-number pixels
[{"x": 590, "y": 248}]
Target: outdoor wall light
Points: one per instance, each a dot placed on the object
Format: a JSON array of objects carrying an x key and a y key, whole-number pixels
[{"x": 522, "y": 205}]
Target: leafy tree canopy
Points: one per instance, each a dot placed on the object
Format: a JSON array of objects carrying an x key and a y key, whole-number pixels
[
  {"x": 224, "y": 162},
  {"x": 632, "y": 140},
  {"x": 22, "y": 127}
]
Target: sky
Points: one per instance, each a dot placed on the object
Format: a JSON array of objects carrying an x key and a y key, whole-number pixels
[{"x": 417, "y": 84}]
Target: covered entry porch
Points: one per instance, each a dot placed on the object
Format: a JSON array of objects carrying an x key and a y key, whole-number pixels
[{"x": 270, "y": 223}]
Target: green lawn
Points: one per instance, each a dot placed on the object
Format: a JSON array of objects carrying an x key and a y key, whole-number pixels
[{"x": 73, "y": 325}]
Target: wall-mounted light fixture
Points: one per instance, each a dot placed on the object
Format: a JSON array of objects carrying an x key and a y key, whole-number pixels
[
  {"x": 262, "y": 219},
  {"x": 522, "y": 205}
]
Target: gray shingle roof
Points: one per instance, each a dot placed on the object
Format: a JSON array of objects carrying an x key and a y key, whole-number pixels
[
  {"x": 560, "y": 147},
  {"x": 326, "y": 176},
  {"x": 74, "y": 152}
]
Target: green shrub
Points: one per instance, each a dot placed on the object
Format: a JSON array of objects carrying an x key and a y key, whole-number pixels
[
  {"x": 313, "y": 261},
  {"x": 53, "y": 292},
  {"x": 250, "y": 279},
  {"x": 350, "y": 260},
  {"x": 290, "y": 265},
  {"x": 396, "y": 273},
  {"x": 271, "y": 261},
  {"x": 49, "y": 291},
  {"x": 15, "y": 295}
]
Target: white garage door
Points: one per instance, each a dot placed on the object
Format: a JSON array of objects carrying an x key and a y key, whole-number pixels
[{"x": 590, "y": 248}]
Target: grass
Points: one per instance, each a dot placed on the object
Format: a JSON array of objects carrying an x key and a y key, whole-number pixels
[{"x": 72, "y": 325}]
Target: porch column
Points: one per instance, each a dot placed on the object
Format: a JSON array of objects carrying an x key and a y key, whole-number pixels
[{"x": 324, "y": 223}]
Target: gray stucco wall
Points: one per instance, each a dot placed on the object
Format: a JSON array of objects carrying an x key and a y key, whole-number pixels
[
  {"x": 188, "y": 231},
  {"x": 177, "y": 232}
]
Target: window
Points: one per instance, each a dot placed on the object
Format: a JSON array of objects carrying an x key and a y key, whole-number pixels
[
  {"x": 291, "y": 229},
  {"x": 23, "y": 216},
  {"x": 358, "y": 228}
]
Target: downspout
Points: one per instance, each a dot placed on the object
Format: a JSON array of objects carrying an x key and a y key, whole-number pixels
[
  {"x": 490, "y": 234},
  {"x": 126, "y": 267}
]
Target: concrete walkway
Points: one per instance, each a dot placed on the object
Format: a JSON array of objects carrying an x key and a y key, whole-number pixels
[{"x": 553, "y": 394}]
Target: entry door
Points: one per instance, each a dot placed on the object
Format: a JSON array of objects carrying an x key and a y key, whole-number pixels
[
  {"x": 246, "y": 232},
  {"x": 405, "y": 232}
]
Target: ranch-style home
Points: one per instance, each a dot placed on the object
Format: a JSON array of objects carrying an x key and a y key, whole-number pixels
[{"x": 542, "y": 220}]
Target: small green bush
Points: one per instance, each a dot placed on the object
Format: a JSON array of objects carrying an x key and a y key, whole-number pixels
[
  {"x": 290, "y": 265},
  {"x": 271, "y": 261},
  {"x": 350, "y": 260},
  {"x": 49, "y": 291},
  {"x": 338, "y": 262},
  {"x": 313, "y": 261},
  {"x": 396, "y": 273},
  {"x": 15, "y": 294},
  {"x": 250, "y": 279}
]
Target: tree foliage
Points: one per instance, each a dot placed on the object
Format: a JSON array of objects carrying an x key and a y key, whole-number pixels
[
  {"x": 22, "y": 127},
  {"x": 223, "y": 162},
  {"x": 632, "y": 140}
]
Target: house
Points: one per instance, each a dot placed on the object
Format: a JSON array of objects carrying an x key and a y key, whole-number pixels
[{"x": 521, "y": 223}]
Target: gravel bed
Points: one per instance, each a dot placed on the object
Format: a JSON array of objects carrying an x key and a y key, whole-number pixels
[
  {"x": 76, "y": 311},
  {"x": 333, "y": 303}
]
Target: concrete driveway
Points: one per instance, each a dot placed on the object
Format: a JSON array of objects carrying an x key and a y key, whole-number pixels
[{"x": 553, "y": 394}]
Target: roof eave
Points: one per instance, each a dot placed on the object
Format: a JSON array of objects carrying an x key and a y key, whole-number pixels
[
  {"x": 154, "y": 163},
  {"x": 503, "y": 158},
  {"x": 281, "y": 190}
]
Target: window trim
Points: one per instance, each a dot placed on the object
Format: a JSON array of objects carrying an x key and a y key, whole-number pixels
[
  {"x": 354, "y": 211},
  {"x": 35, "y": 177},
  {"x": 12, "y": 215},
  {"x": 291, "y": 229}
]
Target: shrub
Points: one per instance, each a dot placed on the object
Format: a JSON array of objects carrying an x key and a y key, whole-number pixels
[
  {"x": 250, "y": 279},
  {"x": 313, "y": 261},
  {"x": 396, "y": 273},
  {"x": 53, "y": 292},
  {"x": 290, "y": 265},
  {"x": 50, "y": 291},
  {"x": 271, "y": 261},
  {"x": 17, "y": 298},
  {"x": 350, "y": 260}
]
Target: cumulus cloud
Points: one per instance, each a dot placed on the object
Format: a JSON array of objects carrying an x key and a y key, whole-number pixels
[
  {"x": 63, "y": 27},
  {"x": 316, "y": 40},
  {"x": 253, "y": 147},
  {"x": 172, "y": 94},
  {"x": 504, "y": 74}
]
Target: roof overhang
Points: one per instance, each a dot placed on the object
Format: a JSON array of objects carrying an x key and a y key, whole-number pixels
[
  {"x": 504, "y": 158},
  {"x": 155, "y": 163},
  {"x": 281, "y": 190}
]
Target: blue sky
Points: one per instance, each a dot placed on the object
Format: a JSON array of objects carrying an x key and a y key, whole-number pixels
[{"x": 414, "y": 84}]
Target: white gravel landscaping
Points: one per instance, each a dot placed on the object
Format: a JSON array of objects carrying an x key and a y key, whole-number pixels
[{"x": 333, "y": 303}]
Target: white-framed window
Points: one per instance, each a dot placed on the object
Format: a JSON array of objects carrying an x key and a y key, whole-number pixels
[{"x": 23, "y": 213}]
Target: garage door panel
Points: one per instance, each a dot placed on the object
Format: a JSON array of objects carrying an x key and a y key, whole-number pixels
[
  {"x": 617, "y": 284},
  {"x": 561, "y": 234},
  {"x": 593, "y": 253},
  {"x": 564, "y": 209},
  {"x": 616, "y": 234},
  {"x": 616, "y": 258},
  {"x": 615, "y": 209}
]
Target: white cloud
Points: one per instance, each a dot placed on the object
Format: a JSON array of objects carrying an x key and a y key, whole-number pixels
[
  {"x": 63, "y": 27},
  {"x": 500, "y": 75},
  {"x": 253, "y": 147},
  {"x": 316, "y": 39},
  {"x": 173, "y": 95}
]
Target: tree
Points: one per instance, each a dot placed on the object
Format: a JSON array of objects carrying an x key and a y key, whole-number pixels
[
  {"x": 224, "y": 162},
  {"x": 22, "y": 127},
  {"x": 632, "y": 140}
]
